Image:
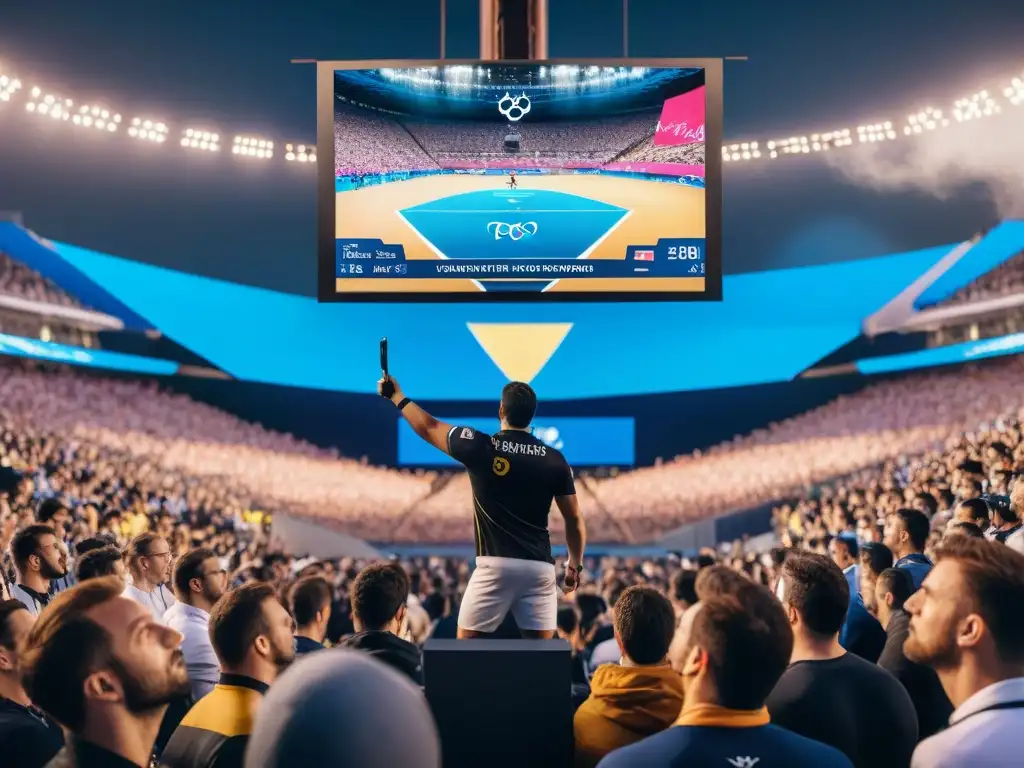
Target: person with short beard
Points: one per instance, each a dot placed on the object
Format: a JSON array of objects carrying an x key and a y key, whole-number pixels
[
  {"x": 54, "y": 513},
  {"x": 967, "y": 624},
  {"x": 101, "y": 666},
  {"x": 252, "y": 635},
  {"x": 38, "y": 560},
  {"x": 200, "y": 580}
]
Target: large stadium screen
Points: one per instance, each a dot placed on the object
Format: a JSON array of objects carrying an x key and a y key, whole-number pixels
[{"x": 520, "y": 181}]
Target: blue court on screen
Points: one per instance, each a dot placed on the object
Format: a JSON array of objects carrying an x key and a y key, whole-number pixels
[{"x": 514, "y": 224}]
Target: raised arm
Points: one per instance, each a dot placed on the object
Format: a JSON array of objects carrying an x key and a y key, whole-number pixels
[{"x": 423, "y": 424}]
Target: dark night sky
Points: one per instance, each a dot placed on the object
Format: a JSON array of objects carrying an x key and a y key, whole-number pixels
[{"x": 812, "y": 65}]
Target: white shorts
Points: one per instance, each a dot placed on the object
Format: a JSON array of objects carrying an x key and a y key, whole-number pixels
[{"x": 503, "y": 584}]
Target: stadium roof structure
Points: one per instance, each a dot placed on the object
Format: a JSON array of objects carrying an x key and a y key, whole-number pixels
[{"x": 771, "y": 326}]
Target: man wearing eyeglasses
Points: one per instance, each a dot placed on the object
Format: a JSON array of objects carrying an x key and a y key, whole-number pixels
[
  {"x": 149, "y": 562},
  {"x": 38, "y": 560},
  {"x": 199, "y": 581}
]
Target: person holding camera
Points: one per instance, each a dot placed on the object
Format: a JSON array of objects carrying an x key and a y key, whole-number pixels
[{"x": 515, "y": 478}]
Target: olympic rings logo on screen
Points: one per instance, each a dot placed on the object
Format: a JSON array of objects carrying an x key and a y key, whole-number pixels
[
  {"x": 513, "y": 232},
  {"x": 508, "y": 104}
]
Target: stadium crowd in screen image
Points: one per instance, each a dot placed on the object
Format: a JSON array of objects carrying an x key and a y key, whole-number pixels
[{"x": 519, "y": 179}]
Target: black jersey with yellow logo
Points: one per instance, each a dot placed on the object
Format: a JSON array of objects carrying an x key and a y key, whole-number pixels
[{"x": 515, "y": 478}]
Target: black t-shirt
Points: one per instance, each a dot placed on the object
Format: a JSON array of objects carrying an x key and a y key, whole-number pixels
[
  {"x": 28, "y": 738},
  {"x": 850, "y": 704},
  {"x": 515, "y": 478},
  {"x": 930, "y": 700}
]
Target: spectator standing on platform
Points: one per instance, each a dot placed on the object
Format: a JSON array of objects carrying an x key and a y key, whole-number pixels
[
  {"x": 966, "y": 623},
  {"x": 730, "y": 649},
  {"x": 200, "y": 580},
  {"x": 830, "y": 695},
  {"x": 642, "y": 694},
  {"x": 893, "y": 588},
  {"x": 515, "y": 479},
  {"x": 101, "y": 666}
]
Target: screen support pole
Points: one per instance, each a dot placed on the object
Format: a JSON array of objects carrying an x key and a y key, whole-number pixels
[{"x": 512, "y": 30}]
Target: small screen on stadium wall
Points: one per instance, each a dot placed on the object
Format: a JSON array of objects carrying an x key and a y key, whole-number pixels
[{"x": 502, "y": 181}]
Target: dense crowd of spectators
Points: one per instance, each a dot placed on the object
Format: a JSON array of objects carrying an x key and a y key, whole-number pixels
[
  {"x": 648, "y": 152},
  {"x": 899, "y": 417},
  {"x": 825, "y": 651},
  {"x": 597, "y": 139},
  {"x": 369, "y": 142},
  {"x": 144, "y": 602},
  {"x": 180, "y": 453},
  {"x": 1006, "y": 279},
  {"x": 21, "y": 281}
]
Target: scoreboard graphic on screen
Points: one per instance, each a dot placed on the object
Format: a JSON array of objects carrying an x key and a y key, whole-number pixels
[{"x": 521, "y": 182}]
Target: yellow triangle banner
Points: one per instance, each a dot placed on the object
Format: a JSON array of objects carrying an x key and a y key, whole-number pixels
[{"x": 520, "y": 350}]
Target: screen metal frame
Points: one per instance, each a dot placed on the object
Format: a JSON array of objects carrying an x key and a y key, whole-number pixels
[{"x": 326, "y": 195}]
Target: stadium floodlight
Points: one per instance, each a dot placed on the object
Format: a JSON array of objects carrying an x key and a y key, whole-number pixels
[
  {"x": 8, "y": 86},
  {"x": 748, "y": 150},
  {"x": 96, "y": 117},
  {"x": 253, "y": 146},
  {"x": 49, "y": 105},
  {"x": 145, "y": 129},
  {"x": 1014, "y": 91},
  {"x": 975, "y": 106},
  {"x": 300, "y": 153},
  {"x": 205, "y": 141},
  {"x": 928, "y": 119},
  {"x": 876, "y": 132}
]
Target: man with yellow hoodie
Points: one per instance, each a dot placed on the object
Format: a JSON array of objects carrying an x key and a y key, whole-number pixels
[{"x": 639, "y": 696}]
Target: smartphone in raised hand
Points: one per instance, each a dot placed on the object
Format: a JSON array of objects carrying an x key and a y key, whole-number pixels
[{"x": 387, "y": 388}]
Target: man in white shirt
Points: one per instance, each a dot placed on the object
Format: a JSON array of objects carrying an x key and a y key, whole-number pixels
[
  {"x": 966, "y": 624},
  {"x": 149, "y": 564},
  {"x": 200, "y": 580}
]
